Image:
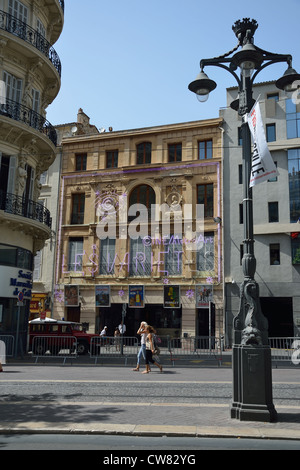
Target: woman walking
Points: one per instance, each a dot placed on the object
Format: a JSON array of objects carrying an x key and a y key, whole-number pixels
[
  {"x": 150, "y": 349},
  {"x": 142, "y": 351}
]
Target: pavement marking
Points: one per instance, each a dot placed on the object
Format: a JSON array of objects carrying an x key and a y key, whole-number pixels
[{"x": 129, "y": 404}]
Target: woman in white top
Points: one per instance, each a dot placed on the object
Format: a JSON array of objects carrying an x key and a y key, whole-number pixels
[{"x": 142, "y": 351}]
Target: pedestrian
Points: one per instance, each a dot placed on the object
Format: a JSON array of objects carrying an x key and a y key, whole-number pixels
[
  {"x": 142, "y": 351},
  {"x": 150, "y": 331},
  {"x": 122, "y": 328},
  {"x": 117, "y": 335},
  {"x": 104, "y": 332},
  {"x": 2, "y": 355}
]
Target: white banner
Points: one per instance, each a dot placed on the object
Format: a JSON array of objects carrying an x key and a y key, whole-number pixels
[{"x": 262, "y": 166}]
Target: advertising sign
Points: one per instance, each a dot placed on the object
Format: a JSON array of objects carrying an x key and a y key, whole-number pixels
[
  {"x": 102, "y": 294},
  {"x": 204, "y": 295},
  {"x": 71, "y": 296},
  {"x": 136, "y": 296},
  {"x": 171, "y": 296}
]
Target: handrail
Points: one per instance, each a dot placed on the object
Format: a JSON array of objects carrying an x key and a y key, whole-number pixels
[
  {"x": 17, "y": 205},
  {"x": 13, "y": 25},
  {"x": 19, "y": 112}
]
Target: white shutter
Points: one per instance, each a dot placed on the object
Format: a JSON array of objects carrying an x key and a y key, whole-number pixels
[{"x": 11, "y": 175}]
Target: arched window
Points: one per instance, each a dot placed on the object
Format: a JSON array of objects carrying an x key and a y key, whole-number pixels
[
  {"x": 143, "y": 153},
  {"x": 142, "y": 194}
]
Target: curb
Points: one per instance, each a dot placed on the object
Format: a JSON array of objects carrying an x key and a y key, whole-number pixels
[{"x": 158, "y": 431}]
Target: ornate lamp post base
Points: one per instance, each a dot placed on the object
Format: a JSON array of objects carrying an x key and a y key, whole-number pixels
[{"x": 252, "y": 384}]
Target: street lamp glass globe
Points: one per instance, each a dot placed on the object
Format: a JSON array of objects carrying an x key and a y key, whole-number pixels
[{"x": 202, "y": 96}]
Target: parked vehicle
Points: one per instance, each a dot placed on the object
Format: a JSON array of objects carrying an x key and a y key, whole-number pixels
[{"x": 54, "y": 335}]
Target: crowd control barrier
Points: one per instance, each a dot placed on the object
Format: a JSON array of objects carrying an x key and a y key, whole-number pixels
[
  {"x": 114, "y": 346},
  {"x": 9, "y": 341},
  {"x": 197, "y": 348},
  {"x": 54, "y": 346},
  {"x": 286, "y": 349}
]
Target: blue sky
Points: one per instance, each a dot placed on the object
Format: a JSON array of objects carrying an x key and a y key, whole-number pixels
[{"x": 128, "y": 63}]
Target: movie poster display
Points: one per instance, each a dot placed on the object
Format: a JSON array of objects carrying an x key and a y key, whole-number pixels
[
  {"x": 71, "y": 296},
  {"x": 204, "y": 295},
  {"x": 102, "y": 296},
  {"x": 171, "y": 296},
  {"x": 136, "y": 297}
]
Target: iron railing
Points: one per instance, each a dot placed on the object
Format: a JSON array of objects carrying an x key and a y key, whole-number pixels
[
  {"x": 19, "y": 112},
  {"x": 17, "y": 205},
  {"x": 62, "y": 4},
  {"x": 13, "y": 25}
]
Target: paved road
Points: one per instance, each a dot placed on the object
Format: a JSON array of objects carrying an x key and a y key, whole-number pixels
[{"x": 179, "y": 402}]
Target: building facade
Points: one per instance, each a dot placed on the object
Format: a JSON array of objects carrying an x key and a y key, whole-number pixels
[
  {"x": 276, "y": 211},
  {"x": 44, "y": 262},
  {"x": 127, "y": 220},
  {"x": 30, "y": 79}
]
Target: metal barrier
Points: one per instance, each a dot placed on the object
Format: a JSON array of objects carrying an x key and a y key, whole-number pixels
[
  {"x": 9, "y": 341},
  {"x": 54, "y": 346},
  {"x": 200, "y": 347},
  {"x": 285, "y": 349},
  {"x": 111, "y": 346}
]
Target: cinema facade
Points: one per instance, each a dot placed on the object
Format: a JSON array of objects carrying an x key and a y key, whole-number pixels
[{"x": 131, "y": 231}]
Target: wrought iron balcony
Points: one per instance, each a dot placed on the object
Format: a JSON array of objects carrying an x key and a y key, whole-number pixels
[
  {"x": 62, "y": 4},
  {"x": 21, "y": 113},
  {"x": 17, "y": 205},
  {"x": 12, "y": 25}
]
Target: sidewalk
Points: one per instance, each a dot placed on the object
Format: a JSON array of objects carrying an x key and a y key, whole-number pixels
[{"x": 157, "y": 416}]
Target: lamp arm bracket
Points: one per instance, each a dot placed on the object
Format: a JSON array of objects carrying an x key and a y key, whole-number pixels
[
  {"x": 272, "y": 59},
  {"x": 217, "y": 63}
]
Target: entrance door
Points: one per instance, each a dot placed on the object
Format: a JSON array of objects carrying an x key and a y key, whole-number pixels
[
  {"x": 279, "y": 313},
  {"x": 206, "y": 322},
  {"x": 73, "y": 314}
]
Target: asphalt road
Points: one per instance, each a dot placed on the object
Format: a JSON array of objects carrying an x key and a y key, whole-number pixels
[{"x": 95, "y": 406}]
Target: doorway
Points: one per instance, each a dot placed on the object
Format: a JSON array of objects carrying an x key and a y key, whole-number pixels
[{"x": 279, "y": 313}]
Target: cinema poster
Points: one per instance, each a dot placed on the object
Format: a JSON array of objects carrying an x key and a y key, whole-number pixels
[
  {"x": 204, "y": 295},
  {"x": 136, "y": 296},
  {"x": 172, "y": 296},
  {"x": 102, "y": 296},
  {"x": 71, "y": 296}
]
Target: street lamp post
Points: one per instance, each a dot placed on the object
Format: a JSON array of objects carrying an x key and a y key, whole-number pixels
[{"x": 251, "y": 354}]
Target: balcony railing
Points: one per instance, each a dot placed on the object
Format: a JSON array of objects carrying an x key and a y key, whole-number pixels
[
  {"x": 62, "y": 4},
  {"x": 17, "y": 205},
  {"x": 21, "y": 113},
  {"x": 20, "y": 29}
]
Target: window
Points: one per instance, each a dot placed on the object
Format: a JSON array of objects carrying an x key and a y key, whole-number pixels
[
  {"x": 144, "y": 153},
  {"x": 107, "y": 256},
  {"x": 296, "y": 249},
  {"x": 274, "y": 179},
  {"x": 205, "y": 149},
  {"x": 273, "y": 96},
  {"x": 241, "y": 213},
  {"x": 173, "y": 256},
  {"x": 16, "y": 257},
  {"x": 292, "y": 119},
  {"x": 294, "y": 183},
  {"x": 240, "y": 174},
  {"x": 274, "y": 254},
  {"x": 81, "y": 162},
  {"x": 43, "y": 178},
  {"x": 205, "y": 195},
  {"x": 78, "y": 202},
  {"x": 271, "y": 132},
  {"x": 140, "y": 258},
  {"x": 206, "y": 254},
  {"x": 18, "y": 10},
  {"x": 240, "y": 139},
  {"x": 142, "y": 194},
  {"x": 37, "y": 266},
  {"x": 273, "y": 212},
  {"x": 75, "y": 254},
  {"x": 174, "y": 152},
  {"x": 13, "y": 87},
  {"x": 112, "y": 159}
]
